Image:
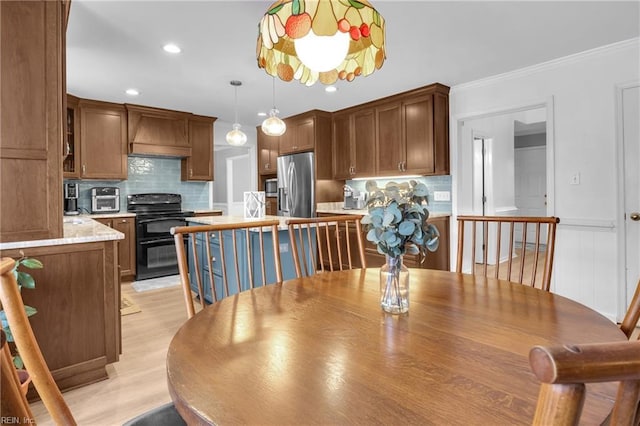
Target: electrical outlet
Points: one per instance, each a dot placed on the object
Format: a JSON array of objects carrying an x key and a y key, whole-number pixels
[
  {"x": 441, "y": 196},
  {"x": 284, "y": 248}
]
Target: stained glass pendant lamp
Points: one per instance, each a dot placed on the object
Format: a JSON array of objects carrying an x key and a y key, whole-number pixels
[
  {"x": 323, "y": 40},
  {"x": 236, "y": 137},
  {"x": 272, "y": 125}
]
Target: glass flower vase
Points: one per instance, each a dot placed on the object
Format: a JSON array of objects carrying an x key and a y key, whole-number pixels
[{"x": 394, "y": 286}]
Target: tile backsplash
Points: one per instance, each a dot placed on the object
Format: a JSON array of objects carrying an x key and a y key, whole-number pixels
[
  {"x": 434, "y": 184},
  {"x": 149, "y": 174}
]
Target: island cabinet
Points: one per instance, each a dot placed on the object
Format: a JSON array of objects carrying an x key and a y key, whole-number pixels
[
  {"x": 155, "y": 131},
  {"x": 412, "y": 134},
  {"x": 199, "y": 165},
  {"x": 32, "y": 62},
  {"x": 77, "y": 297},
  {"x": 267, "y": 153},
  {"x": 126, "y": 247},
  {"x": 103, "y": 140},
  {"x": 235, "y": 285}
]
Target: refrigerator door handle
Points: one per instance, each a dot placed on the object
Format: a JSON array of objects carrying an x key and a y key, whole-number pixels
[{"x": 293, "y": 184}]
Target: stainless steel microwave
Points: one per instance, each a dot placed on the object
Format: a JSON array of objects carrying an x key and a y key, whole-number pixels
[{"x": 271, "y": 187}]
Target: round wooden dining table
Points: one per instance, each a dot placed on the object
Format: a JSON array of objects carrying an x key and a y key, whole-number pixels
[{"x": 319, "y": 350}]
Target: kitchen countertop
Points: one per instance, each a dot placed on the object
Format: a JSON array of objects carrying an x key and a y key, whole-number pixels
[
  {"x": 337, "y": 208},
  {"x": 106, "y": 215},
  {"x": 228, "y": 220},
  {"x": 76, "y": 230},
  {"x": 205, "y": 211}
]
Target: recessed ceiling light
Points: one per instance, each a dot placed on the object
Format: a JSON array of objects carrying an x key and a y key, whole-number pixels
[
  {"x": 171, "y": 48},
  {"x": 132, "y": 92},
  {"x": 330, "y": 89},
  {"x": 262, "y": 114}
]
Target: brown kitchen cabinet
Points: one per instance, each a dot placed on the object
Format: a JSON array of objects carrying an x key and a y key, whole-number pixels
[
  {"x": 433, "y": 260},
  {"x": 199, "y": 165},
  {"x": 267, "y": 153},
  {"x": 71, "y": 149},
  {"x": 354, "y": 144},
  {"x": 103, "y": 140},
  {"x": 413, "y": 134},
  {"x": 127, "y": 246},
  {"x": 299, "y": 136},
  {"x": 271, "y": 206},
  {"x": 32, "y": 119}
]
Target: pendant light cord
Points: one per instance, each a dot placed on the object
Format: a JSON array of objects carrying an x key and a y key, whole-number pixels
[
  {"x": 236, "y": 87},
  {"x": 274, "y": 92}
]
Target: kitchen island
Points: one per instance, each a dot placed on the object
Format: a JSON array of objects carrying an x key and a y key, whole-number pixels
[
  {"x": 286, "y": 255},
  {"x": 77, "y": 296}
]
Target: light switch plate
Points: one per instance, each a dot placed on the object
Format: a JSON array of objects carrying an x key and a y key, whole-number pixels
[
  {"x": 575, "y": 179},
  {"x": 441, "y": 196}
]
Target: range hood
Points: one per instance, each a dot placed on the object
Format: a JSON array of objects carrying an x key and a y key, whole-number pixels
[{"x": 158, "y": 132}]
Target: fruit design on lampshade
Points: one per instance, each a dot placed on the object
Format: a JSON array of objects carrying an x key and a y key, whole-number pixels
[{"x": 323, "y": 40}]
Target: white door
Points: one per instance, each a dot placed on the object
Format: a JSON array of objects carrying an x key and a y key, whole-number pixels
[
  {"x": 531, "y": 186},
  {"x": 631, "y": 147}
]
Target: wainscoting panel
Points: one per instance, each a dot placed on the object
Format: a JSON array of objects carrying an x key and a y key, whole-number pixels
[{"x": 585, "y": 266}]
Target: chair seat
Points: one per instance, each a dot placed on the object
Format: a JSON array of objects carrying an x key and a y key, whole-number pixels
[{"x": 164, "y": 415}]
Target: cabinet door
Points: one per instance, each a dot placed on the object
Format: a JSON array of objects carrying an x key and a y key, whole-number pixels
[
  {"x": 439, "y": 259},
  {"x": 71, "y": 162},
  {"x": 341, "y": 145},
  {"x": 126, "y": 247},
  {"x": 31, "y": 120},
  {"x": 267, "y": 153},
  {"x": 270, "y": 207},
  {"x": 305, "y": 135},
  {"x": 103, "y": 140},
  {"x": 199, "y": 166},
  {"x": 389, "y": 142},
  {"x": 364, "y": 143},
  {"x": 286, "y": 141},
  {"x": 418, "y": 131}
]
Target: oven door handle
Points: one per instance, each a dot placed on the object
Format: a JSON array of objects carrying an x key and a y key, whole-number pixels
[
  {"x": 162, "y": 240},
  {"x": 161, "y": 219}
]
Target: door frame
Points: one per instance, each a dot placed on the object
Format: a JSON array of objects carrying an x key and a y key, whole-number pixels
[
  {"x": 623, "y": 295},
  {"x": 457, "y": 134}
]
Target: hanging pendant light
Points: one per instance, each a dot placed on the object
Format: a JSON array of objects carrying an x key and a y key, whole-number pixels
[
  {"x": 236, "y": 137},
  {"x": 272, "y": 125},
  {"x": 323, "y": 40}
]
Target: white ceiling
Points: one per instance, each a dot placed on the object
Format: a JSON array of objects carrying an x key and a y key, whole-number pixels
[{"x": 115, "y": 45}]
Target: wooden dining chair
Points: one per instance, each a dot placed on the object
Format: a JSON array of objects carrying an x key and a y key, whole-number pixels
[
  {"x": 14, "y": 402},
  {"x": 217, "y": 260},
  {"x": 518, "y": 249},
  {"x": 564, "y": 370},
  {"x": 330, "y": 243},
  {"x": 630, "y": 321}
]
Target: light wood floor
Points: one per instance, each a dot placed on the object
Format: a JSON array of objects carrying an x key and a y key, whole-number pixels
[
  {"x": 138, "y": 382},
  {"x": 515, "y": 268}
]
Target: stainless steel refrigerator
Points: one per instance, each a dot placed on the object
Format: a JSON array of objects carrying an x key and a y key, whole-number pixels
[{"x": 296, "y": 189}]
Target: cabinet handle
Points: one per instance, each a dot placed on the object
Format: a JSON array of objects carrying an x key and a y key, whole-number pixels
[
  {"x": 400, "y": 166},
  {"x": 123, "y": 221},
  {"x": 190, "y": 172},
  {"x": 84, "y": 169}
]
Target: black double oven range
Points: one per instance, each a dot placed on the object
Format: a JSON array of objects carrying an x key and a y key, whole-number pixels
[{"x": 156, "y": 214}]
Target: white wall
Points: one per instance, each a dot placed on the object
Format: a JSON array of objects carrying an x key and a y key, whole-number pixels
[{"x": 582, "y": 90}]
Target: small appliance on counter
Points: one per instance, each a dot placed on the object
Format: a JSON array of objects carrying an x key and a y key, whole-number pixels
[
  {"x": 105, "y": 199},
  {"x": 354, "y": 199},
  {"x": 71, "y": 199}
]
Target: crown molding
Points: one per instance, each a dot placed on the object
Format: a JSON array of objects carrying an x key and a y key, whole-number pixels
[{"x": 548, "y": 65}]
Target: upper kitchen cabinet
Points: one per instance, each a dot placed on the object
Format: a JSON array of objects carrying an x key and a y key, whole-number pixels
[
  {"x": 32, "y": 58},
  {"x": 71, "y": 148},
  {"x": 267, "y": 153},
  {"x": 103, "y": 140},
  {"x": 155, "y": 131},
  {"x": 413, "y": 133},
  {"x": 199, "y": 166},
  {"x": 354, "y": 144},
  {"x": 310, "y": 131}
]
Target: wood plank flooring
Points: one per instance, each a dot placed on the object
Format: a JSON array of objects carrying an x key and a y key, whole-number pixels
[{"x": 138, "y": 382}]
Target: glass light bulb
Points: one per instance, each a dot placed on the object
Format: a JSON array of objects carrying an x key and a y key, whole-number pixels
[
  {"x": 236, "y": 137},
  {"x": 272, "y": 125},
  {"x": 322, "y": 53}
]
